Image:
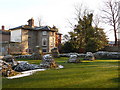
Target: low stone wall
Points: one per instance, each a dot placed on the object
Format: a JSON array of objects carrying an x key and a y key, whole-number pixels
[
  {"x": 68, "y": 55},
  {"x": 24, "y": 57},
  {"x": 107, "y": 55},
  {"x": 97, "y": 55}
]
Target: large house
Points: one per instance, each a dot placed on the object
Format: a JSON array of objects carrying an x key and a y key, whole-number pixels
[{"x": 25, "y": 38}]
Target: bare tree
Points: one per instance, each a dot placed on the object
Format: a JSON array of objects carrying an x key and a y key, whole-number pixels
[
  {"x": 80, "y": 12},
  {"x": 39, "y": 21},
  {"x": 96, "y": 20},
  {"x": 110, "y": 15}
]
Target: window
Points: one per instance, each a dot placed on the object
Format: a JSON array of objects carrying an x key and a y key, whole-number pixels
[
  {"x": 44, "y": 33},
  {"x": 52, "y": 33},
  {"x": 44, "y": 50},
  {"x": 52, "y": 41},
  {"x": 44, "y": 42}
]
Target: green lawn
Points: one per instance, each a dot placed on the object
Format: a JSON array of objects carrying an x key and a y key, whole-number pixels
[{"x": 88, "y": 74}]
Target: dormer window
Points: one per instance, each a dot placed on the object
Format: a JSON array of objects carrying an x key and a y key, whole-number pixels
[{"x": 44, "y": 33}]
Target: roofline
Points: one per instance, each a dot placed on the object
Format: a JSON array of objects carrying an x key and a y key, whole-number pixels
[{"x": 35, "y": 28}]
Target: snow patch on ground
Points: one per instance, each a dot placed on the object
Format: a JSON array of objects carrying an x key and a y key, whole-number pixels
[
  {"x": 30, "y": 72},
  {"x": 22, "y": 61},
  {"x": 60, "y": 66},
  {"x": 26, "y": 73}
]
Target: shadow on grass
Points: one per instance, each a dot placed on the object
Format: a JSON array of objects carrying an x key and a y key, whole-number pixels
[{"x": 117, "y": 80}]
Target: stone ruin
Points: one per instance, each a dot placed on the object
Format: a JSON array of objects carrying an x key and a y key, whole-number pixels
[
  {"x": 25, "y": 66},
  {"x": 10, "y": 60},
  {"x": 10, "y": 67},
  {"x": 37, "y": 55},
  {"x": 48, "y": 62},
  {"x": 55, "y": 52},
  {"x": 7, "y": 64},
  {"x": 89, "y": 56},
  {"x": 74, "y": 59}
]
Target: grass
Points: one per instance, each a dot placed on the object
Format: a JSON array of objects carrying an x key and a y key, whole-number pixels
[{"x": 88, "y": 74}]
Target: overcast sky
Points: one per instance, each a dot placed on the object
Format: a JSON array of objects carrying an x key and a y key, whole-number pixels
[{"x": 14, "y": 13}]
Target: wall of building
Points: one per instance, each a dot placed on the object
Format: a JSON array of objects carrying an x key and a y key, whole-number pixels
[
  {"x": 5, "y": 38},
  {"x": 16, "y": 35},
  {"x": 32, "y": 40},
  {"x": 15, "y": 48},
  {"x": 45, "y": 48},
  {"x": 52, "y": 40},
  {"x": 4, "y": 42},
  {"x": 20, "y": 47},
  {"x": 24, "y": 41},
  {"x": 40, "y": 40}
]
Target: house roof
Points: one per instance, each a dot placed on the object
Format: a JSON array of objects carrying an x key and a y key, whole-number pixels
[
  {"x": 27, "y": 27},
  {"x": 59, "y": 33}
]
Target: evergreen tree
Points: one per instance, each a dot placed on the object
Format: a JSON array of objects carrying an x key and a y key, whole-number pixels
[{"x": 86, "y": 36}]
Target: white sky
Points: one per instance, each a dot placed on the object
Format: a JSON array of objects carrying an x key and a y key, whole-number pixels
[{"x": 14, "y": 13}]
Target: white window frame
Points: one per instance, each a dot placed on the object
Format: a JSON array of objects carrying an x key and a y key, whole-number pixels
[
  {"x": 44, "y": 39},
  {"x": 44, "y": 32}
]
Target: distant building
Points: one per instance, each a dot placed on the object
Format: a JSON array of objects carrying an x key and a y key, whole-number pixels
[
  {"x": 4, "y": 41},
  {"x": 25, "y": 38}
]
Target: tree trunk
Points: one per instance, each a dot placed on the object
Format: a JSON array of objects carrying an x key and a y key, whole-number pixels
[{"x": 115, "y": 35}]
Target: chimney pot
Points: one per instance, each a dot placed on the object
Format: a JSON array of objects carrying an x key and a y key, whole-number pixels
[{"x": 3, "y": 27}]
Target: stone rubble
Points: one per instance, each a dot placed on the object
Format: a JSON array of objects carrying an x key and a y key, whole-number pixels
[
  {"x": 55, "y": 52},
  {"x": 73, "y": 59},
  {"x": 10, "y": 60},
  {"x": 89, "y": 56},
  {"x": 9, "y": 67},
  {"x": 24, "y": 66},
  {"x": 6, "y": 69},
  {"x": 48, "y": 62}
]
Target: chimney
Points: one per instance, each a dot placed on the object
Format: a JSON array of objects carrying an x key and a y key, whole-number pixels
[
  {"x": 31, "y": 22},
  {"x": 3, "y": 27}
]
